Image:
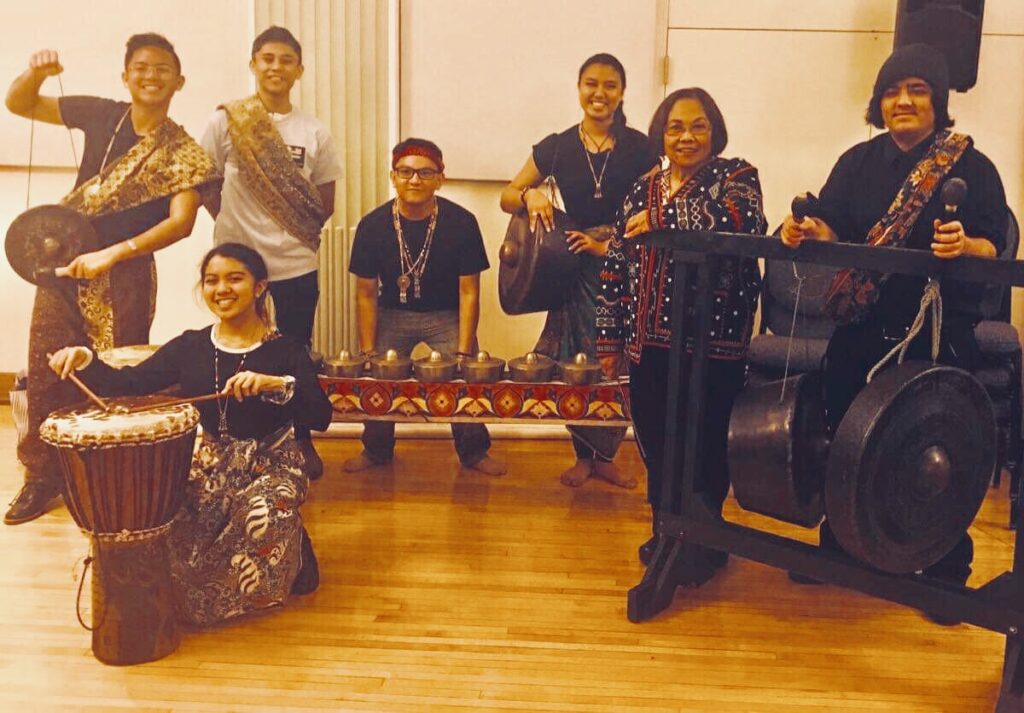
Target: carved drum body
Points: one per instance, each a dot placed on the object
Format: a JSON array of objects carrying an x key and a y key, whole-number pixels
[{"x": 125, "y": 476}]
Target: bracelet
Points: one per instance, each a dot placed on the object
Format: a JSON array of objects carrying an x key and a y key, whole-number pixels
[
  {"x": 130, "y": 242},
  {"x": 522, "y": 195}
]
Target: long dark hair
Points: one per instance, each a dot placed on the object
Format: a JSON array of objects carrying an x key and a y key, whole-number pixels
[
  {"x": 253, "y": 263},
  {"x": 656, "y": 132},
  {"x": 608, "y": 60}
]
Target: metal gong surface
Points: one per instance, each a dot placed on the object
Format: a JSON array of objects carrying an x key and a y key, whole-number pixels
[
  {"x": 47, "y": 237},
  {"x": 778, "y": 448},
  {"x": 536, "y": 268},
  {"x": 910, "y": 465}
]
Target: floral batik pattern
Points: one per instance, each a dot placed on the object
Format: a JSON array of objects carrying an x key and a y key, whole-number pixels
[{"x": 235, "y": 544}]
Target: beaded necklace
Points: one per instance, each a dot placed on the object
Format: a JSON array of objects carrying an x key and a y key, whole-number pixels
[{"x": 408, "y": 267}]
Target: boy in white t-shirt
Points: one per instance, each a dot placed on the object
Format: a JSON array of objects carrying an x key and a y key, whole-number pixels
[{"x": 280, "y": 169}]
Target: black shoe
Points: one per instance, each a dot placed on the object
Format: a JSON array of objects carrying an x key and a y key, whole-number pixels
[
  {"x": 803, "y": 579},
  {"x": 308, "y": 578},
  {"x": 939, "y": 618},
  {"x": 314, "y": 467},
  {"x": 32, "y": 500},
  {"x": 646, "y": 550},
  {"x": 717, "y": 558}
]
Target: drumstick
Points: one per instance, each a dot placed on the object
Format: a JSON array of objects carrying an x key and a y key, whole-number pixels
[
  {"x": 178, "y": 402},
  {"x": 85, "y": 389}
]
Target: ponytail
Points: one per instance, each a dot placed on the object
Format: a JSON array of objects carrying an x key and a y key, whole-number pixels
[{"x": 619, "y": 122}]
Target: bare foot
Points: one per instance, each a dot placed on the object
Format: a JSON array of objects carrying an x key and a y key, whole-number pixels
[
  {"x": 607, "y": 470},
  {"x": 577, "y": 475},
  {"x": 488, "y": 465}
]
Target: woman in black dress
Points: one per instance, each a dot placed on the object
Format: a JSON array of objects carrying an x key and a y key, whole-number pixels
[
  {"x": 237, "y": 545},
  {"x": 594, "y": 162}
]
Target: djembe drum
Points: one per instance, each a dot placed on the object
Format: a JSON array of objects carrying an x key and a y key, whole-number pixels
[{"x": 125, "y": 475}]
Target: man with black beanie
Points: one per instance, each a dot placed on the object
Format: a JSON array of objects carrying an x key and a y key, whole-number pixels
[{"x": 886, "y": 191}]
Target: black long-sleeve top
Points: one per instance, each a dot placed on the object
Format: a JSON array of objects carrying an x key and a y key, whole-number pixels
[
  {"x": 860, "y": 190},
  {"x": 188, "y": 360}
]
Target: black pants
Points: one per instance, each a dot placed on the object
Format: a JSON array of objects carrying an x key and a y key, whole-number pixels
[
  {"x": 852, "y": 352},
  {"x": 295, "y": 303},
  {"x": 648, "y": 381}
]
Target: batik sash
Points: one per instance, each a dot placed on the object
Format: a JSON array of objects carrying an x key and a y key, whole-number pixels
[
  {"x": 163, "y": 163},
  {"x": 854, "y": 291},
  {"x": 270, "y": 174}
]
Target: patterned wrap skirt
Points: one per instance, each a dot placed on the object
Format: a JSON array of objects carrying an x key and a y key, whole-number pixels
[{"x": 234, "y": 545}]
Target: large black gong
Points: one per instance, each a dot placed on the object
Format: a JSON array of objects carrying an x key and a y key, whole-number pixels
[
  {"x": 536, "y": 268},
  {"x": 778, "y": 446},
  {"x": 47, "y": 237},
  {"x": 910, "y": 465}
]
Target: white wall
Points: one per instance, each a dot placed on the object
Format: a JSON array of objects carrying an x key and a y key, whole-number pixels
[{"x": 792, "y": 77}]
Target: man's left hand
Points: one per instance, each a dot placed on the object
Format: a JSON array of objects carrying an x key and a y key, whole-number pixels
[
  {"x": 89, "y": 265},
  {"x": 950, "y": 241}
]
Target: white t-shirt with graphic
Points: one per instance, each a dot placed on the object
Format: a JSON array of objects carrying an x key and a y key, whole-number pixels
[{"x": 242, "y": 219}]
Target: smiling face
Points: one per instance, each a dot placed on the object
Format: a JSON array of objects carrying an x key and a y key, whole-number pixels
[
  {"x": 412, "y": 187},
  {"x": 229, "y": 289},
  {"x": 276, "y": 67},
  {"x": 687, "y": 137},
  {"x": 601, "y": 91},
  {"x": 908, "y": 111},
  {"x": 152, "y": 77}
]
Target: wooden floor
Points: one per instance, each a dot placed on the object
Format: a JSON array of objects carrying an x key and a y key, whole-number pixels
[{"x": 451, "y": 591}]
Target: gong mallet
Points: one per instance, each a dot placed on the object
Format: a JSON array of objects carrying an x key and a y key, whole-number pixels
[
  {"x": 952, "y": 194},
  {"x": 803, "y": 206}
]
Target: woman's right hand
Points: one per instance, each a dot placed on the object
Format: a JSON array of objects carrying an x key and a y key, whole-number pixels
[
  {"x": 538, "y": 206},
  {"x": 45, "y": 63},
  {"x": 69, "y": 359}
]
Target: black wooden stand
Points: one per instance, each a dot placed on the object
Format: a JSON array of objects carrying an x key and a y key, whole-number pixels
[{"x": 689, "y": 526}]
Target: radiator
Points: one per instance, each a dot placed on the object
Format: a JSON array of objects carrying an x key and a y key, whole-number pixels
[{"x": 334, "y": 328}]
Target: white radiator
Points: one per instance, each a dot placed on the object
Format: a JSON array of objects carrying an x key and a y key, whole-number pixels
[{"x": 335, "y": 326}]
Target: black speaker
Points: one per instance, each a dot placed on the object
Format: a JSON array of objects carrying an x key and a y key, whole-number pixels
[{"x": 951, "y": 26}]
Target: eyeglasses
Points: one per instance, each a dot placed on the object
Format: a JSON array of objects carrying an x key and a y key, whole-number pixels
[
  {"x": 698, "y": 130},
  {"x": 425, "y": 174},
  {"x": 142, "y": 69}
]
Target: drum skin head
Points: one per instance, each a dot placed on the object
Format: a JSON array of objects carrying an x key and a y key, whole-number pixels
[
  {"x": 47, "y": 237},
  {"x": 90, "y": 427}
]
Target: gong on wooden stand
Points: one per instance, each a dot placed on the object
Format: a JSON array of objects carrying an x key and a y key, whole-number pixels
[{"x": 916, "y": 446}]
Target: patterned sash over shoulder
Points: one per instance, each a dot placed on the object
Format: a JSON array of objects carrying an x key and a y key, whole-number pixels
[
  {"x": 854, "y": 291},
  {"x": 270, "y": 174}
]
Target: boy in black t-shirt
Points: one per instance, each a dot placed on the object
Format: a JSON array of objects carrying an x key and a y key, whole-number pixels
[
  {"x": 417, "y": 260},
  {"x": 139, "y": 184}
]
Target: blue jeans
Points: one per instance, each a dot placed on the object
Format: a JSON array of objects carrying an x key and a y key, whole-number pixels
[{"x": 402, "y": 330}]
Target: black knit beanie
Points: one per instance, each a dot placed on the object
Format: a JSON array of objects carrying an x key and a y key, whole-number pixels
[{"x": 919, "y": 60}]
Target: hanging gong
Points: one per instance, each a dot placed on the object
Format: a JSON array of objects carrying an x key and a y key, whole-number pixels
[
  {"x": 47, "y": 237},
  {"x": 910, "y": 465},
  {"x": 536, "y": 267},
  {"x": 778, "y": 447}
]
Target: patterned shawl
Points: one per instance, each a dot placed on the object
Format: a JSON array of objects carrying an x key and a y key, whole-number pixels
[
  {"x": 271, "y": 175},
  {"x": 166, "y": 162}
]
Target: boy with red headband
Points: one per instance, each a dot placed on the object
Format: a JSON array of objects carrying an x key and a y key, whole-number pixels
[{"x": 417, "y": 261}]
